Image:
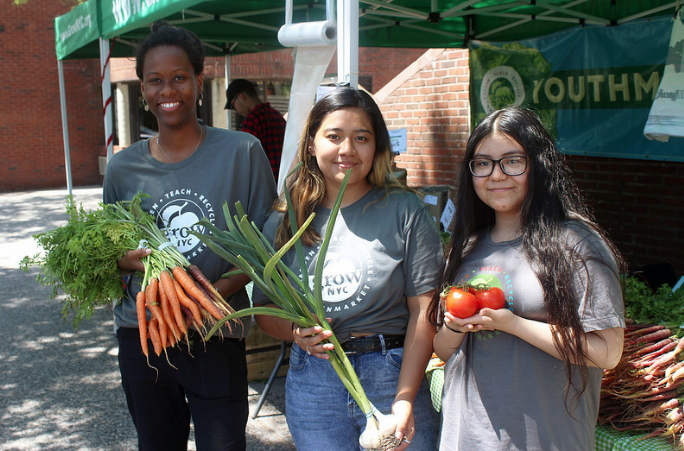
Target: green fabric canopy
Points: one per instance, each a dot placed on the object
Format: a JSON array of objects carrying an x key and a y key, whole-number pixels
[
  {"x": 248, "y": 26},
  {"x": 230, "y": 27}
]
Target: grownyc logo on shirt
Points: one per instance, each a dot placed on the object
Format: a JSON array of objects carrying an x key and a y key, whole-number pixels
[
  {"x": 348, "y": 275},
  {"x": 177, "y": 213}
]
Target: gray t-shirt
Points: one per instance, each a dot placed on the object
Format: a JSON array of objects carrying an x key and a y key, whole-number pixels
[
  {"x": 500, "y": 392},
  {"x": 384, "y": 249},
  {"x": 228, "y": 167}
]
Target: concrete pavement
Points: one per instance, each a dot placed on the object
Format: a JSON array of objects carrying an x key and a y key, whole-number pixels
[{"x": 60, "y": 387}]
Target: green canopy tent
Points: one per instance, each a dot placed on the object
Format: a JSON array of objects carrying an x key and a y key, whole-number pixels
[{"x": 248, "y": 26}]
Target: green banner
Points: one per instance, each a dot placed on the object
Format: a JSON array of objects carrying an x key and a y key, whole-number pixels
[
  {"x": 123, "y": 16},
  {"x": 76, "y": 29},
  {"x": 592, "y": 86}
]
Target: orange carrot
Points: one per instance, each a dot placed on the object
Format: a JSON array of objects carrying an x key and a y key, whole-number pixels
[
  {"x": 153, "y": 328},
  {"x": 171, "y": 341},
  {"x": 142, "y": 321},
  {"x": 187, "y": 302},
  {"x": 151, "y": 292},
  {"x": 167, "y": 285},
  {"x": 168, "y": 317},
  {"x": 191, "y": 288}
]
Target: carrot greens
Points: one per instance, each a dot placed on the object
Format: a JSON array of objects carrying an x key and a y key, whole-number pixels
[{"x": 80, "y": 258}]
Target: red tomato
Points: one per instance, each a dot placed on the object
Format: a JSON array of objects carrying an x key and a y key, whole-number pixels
[
  {"x": 492, "y": 297},
  {"x": 460, "y": 303}
]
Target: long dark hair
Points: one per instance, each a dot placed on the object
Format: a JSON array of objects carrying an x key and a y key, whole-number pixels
[
  {"x": 307, "y": 184},
  {"x": 164, "y": 34},
  {"x": 552, "y": 198}
]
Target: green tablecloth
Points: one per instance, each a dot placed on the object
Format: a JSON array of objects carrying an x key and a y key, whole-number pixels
[{"x": 607, "y": 439}]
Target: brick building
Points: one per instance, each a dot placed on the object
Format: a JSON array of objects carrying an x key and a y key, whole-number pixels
[{"x": 424, "y": 91}]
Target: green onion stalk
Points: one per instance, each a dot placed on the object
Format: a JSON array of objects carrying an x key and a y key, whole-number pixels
[{"x": 245, "y": 247}]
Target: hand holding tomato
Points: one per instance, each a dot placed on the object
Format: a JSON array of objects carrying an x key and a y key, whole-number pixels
[
  {"x": 461, "y": 303},
  {"x": 465, "y": 301},
  {"x": 490, "y": 297}
]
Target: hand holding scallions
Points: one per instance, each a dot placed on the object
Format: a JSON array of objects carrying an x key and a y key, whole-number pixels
[{"x": 313, "y": 340}]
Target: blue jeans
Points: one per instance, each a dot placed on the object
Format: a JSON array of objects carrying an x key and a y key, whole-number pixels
[{"x": 322, "y": 415}]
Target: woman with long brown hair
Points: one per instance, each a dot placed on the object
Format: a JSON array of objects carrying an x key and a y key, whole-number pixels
[{"x": 381, "y": 271}]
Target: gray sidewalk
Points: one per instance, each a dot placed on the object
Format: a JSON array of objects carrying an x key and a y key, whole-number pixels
[{"x": 60, "y": 387}]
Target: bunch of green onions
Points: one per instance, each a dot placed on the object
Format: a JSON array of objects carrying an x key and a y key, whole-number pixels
[{"x": 245, "y": 247}]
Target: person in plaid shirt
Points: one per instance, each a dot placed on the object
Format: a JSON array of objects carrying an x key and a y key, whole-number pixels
[{"x": 261, "y": 119}]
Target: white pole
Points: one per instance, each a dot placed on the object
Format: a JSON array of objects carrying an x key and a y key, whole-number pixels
[
  {"x": 348, "y": 42},
  {"x": 106, "y": 96},
  {"x": 65, "y": 125}
]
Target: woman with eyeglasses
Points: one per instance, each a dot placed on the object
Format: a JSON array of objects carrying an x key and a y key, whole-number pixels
[{"x": 528, "y": 376}]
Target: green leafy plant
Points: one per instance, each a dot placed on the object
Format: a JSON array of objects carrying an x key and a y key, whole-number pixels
[
  {"x": 645, "y": 306},
  {"x": 80, "y": 258}
]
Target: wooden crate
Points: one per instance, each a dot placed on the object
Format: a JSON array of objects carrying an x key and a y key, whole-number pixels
[{"x": 262, "y": 354}]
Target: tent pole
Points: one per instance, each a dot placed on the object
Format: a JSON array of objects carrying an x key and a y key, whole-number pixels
[
  {"x": 65, "y": 125},
  {"x": 106, "y": 95},
  {"x": 226, "y": 70},
  {"x": 348, "y": 42}
]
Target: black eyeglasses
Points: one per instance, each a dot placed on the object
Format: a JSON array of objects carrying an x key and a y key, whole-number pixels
[{"x": 483, "y": 167}]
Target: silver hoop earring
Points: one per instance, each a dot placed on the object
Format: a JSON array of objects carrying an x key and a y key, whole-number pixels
[
  {"x": 145, "y": 105},
  {"x": 199, "y": 98}
]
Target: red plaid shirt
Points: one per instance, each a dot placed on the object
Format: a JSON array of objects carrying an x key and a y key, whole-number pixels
[{"x": 267, "y": 124}]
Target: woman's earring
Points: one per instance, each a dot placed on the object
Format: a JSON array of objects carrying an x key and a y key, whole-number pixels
[
  {"x": 199, "y": 98},
  {"x": 145, "y": 105}
]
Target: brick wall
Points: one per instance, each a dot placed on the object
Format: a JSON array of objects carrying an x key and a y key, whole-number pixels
[
  {"x": 380, "y": 64},
  {"x": 31, "y": 145},
  {"x": 430, "y": 100},
  {"x": 639, "y": 202},
  {"x": 276, "y": 65}
]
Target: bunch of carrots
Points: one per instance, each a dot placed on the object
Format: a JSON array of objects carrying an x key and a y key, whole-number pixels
[
  {"x": 80, "y": 260},
  {"x": 177, "y": 298},
  {"x": 644, "y": 392},
  {"x": 176, "y": 293}
]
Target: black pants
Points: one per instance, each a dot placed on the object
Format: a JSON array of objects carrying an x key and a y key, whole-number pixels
[{"x": 208, "y": 384}]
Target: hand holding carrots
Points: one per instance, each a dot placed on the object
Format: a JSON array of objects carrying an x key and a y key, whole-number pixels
[
  {"x": 177, "y": 298},
  {"x": 131, "y": 261}
]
